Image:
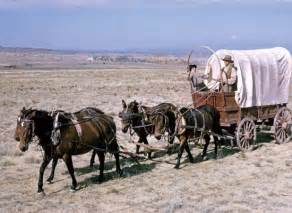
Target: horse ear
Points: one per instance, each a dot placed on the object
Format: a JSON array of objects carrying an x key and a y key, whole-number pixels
[
  {"x": 124, "y": 104},
  {"x": 23, "y": 109}
]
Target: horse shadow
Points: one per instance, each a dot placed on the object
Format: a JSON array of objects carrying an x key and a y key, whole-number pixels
[{"x": 129, "y": 167}]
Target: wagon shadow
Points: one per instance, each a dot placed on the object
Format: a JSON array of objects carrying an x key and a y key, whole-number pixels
[{"x": 262, "y": 138}]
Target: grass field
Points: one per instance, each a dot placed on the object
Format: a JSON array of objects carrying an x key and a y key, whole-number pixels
[{"x": 255, "y": 181}]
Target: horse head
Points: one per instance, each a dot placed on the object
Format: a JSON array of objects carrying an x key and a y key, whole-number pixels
[
  {"x": 31, "y": 122},
  {"x": 129, "y": 115}
]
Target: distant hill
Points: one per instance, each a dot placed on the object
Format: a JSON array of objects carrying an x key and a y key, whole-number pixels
[
  {"x": 41, "y": 58},
  {"x": 30, "y": 58}
]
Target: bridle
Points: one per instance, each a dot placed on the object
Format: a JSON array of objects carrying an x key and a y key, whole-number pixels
[{"x": 28, "y": 125}]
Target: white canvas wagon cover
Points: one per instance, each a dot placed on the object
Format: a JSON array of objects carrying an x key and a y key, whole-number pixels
[{"x": 263, "y": 75}]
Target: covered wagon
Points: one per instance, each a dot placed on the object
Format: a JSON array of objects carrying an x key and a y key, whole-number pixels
[{"x": 261, "y": 94}]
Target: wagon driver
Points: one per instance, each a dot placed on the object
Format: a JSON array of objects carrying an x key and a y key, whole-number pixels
[
  {"x": 196, "y": 79},
  {"x": 228, "y": 73}
]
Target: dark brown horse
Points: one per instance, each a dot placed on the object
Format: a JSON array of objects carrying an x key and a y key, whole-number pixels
[
  {"x": 200, "y": 122},
  {"x": 148, "y": 120},
  {"x": 21, "y": 116},
  {"x": 65, "y": 134}
]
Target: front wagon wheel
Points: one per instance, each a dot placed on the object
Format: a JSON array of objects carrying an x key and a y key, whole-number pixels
[{"x": 245, "y": 134}]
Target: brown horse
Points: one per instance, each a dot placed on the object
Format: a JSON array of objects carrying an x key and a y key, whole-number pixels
[
  {"x": 65, "y": 134},
  {"x": 21, "y": 116},
  {"x": 191, "y": 123},
  {"x": 148, "y": 120}
]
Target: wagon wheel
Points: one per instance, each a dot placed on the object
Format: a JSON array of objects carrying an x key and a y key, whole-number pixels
[
  {"x": 246, "y": 133},
  {"x": 281, "y": 124}
]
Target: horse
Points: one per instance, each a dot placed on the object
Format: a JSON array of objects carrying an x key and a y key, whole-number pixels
[
  {"x": 55, "y": 160},
  {"x": 65, "y": 134},
  {"x": 200, "y": 122},
  {"x": 148, "y": 120}
]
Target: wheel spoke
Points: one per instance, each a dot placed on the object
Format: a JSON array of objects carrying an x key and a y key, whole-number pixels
[{"x": 282, "y": 136}]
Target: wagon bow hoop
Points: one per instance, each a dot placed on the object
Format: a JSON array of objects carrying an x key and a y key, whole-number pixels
[{"x": 218, "y": 58}]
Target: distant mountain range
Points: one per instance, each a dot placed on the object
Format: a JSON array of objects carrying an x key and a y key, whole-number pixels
[
  {"x": 175, "y": 52},
  {"x": 179, "y": 52}
]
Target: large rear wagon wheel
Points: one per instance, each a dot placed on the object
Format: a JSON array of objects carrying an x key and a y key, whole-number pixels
[
  {"x": 245, "y": 134},
  {"x": 282, "y": 123}
]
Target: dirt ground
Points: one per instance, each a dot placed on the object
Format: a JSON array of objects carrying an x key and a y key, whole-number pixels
[{"x": 255, "y": 181}]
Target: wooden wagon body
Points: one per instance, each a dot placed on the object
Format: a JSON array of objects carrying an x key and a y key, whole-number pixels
[{"x": 230, "y": 111}]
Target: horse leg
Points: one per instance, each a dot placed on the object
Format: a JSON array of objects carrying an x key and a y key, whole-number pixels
[
  {"x": 171, "y": 133},
  {"x": 146, "y": 143},
  {"x": 118, "y": 168},
  {"x": 137, "y": 146},
  {"x": 46, "y": 160},
  {"x": 187, "y": 148},
  {"x": 216, "y": 141},
  {"x": 183, "y": 142},
  {"x": 207, "y": 141},
  {"x": 54, "y": 164},
  {"x": 101, "y": 157},
  {"x": 68, "y": 161},
  {"x": 92, "y": 158}
]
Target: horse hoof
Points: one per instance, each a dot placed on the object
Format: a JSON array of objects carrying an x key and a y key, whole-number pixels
[
  {"x": 40, "y": 190},
  {"x": 120, "y": 173},
  {"x": 176, "y": 167},
  {"x": 192, "y": 160},
  {"x": 41, "y": 194},
  {"x": 50, "y": 180},
  {"x": 72, "y": 189},
  {"x": 100, "y": 179},
  {"x": 205, "y": 158}
]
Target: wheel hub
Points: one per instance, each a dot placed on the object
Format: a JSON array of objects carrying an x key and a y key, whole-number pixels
[{"x": 247, "y": 135}]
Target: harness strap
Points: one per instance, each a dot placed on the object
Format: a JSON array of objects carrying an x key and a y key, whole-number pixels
[
  {"x": 77, "y": 126},
  {"x": 203, "y": 117}
]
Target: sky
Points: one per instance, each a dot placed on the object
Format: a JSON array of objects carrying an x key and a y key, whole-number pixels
[{"x": 145, "y": 24}]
